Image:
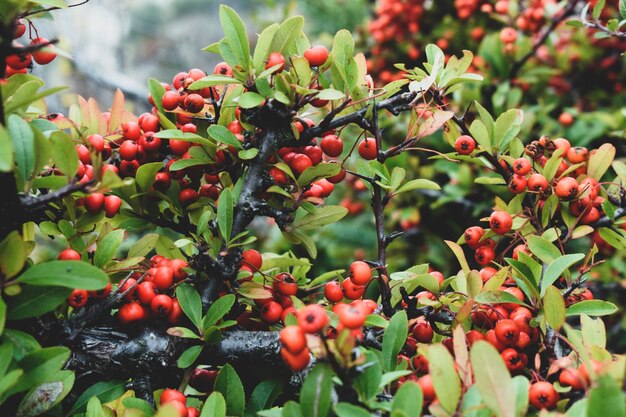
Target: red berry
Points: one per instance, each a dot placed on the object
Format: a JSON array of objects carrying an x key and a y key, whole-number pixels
[
  {"x": 367, "y": 149},
  {"x": 312, "y": 318},
  {"x": 161, "y": 305},
  {"x": 146, "y": 291},
  {"x": 543, "y": 395},
  {"x": 131, "y": 313},
  {"x": 128, "y": 150},
  {"x": 275, "y": 58},
  {"x": 223, "y": 69},
  {"x": 194, "y": 103},
  {"x": 131, "y": 131},
  {"x": 112, "y": 204},
  {"x": 96, "y": 141},
  {"x": 360, "y": 273},
  {"x": 316, "y": 55},
  {"x": 69, "y": 255},
  {"x": 473, "y": 235},
  {"x": 537, "y": 182},
  {"x": 163, "y": 278},
  {"x": 500, "y": 222},
  {"x": 285, "y": 284},
  {"x": 169, "y": 395},
  {"x": 253, "y": 258},
  {"x": 94, "y": 202},
  {"x": 188, "y": 196},
  {"x": 333, "y": 292},
  {"x": 352, "y": 317},
  {"x": 78, "y": 298},
  {"x": 507, "y": 332},
  {"x": 423, "y": 332},
  {"x": 567, "y": 188},
  {"x": 271, "y": 312},
  {"x": 300, "y": 162},
  {"x": 484, "y": 255},
  {"x": 293, "y": 339},
  {"x": 177, "y": 266},
  {"x": 465, "y": 145},
  {"x": 297, "y": 362},
  {"x": 522, "y": 166},
  {"x": 46, "y": 54}
]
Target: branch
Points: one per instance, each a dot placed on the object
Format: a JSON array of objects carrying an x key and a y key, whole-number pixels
[{"x": 49, "y": 9}]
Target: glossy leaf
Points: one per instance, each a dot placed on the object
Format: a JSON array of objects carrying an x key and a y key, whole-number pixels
[
  {"x": 493, "y": 379},
  {"x": 190, "y": 303},
  {"x": 393, "y": 339},
  {"x": 229, "y": 385},
  {"x": 315, "y": 393},
  {"x": 69, "y": 274}
]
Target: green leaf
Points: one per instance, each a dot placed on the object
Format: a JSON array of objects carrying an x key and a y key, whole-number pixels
[
  {"x": 64, "y": 153},
  {"x": 554, "y": 307},
  {"x": 622, "y": 8},
  {"x": 144, "y": 177},
  {"x": 44, "y": 397},
  {"x": 213, "y": 80},
  {"x": 315, "y": 393},
  {"x": 263, "y": 396},
  {"x": 600, "y": 160},
  {"x": 521, "y": 388},
  {"x": 94, "y": 408},
  {"x": 408, "y": 399},
  {"x": 542, "y": 249},
  {"x": 180, "y": 135},
  {"x": 460, "y": 255},
  {"x": 330, "y": 94},
  {"x": 248, "y": 154},
  {"x": 23, "y": 145},
  {"x": 445, "y": 379},
  {"x": 107, "y": 247},
  {"x": 143, "y": 246},
  {"x": 393, "y": 339},
  {"x": 214, "y": 406},
  {"x": 368, "y": 382},
  {"x": 481, "y": 135},
  {"x": 285, "y": 36},
  {"x": 105, "y": 391},
  {"x": 3, "y": 317},
  {"x": 591, "y": 308},
  {"x": 597, "y": 10},
  {"x": 493, "y": 379},
  {"x": 218, "y": 310},
  {"x": 13, "y": 254},
  {"x": 190, "y": 303},
  {"x": 249, "y": 100},
  {"x": 229, "y": 384},
  {"x": 593, "y": 331},
  {"x": 320, "y": 218},
  {"x": 222, "y": 134},
  {"x": 34, "y": 301},
  {"x": 189, "y": 356},
  {"x": 69, "y": 274},
  {"x": 507, "y": 126},
  {"x": 317, "y": 172},
  {"x": 606, "y": 399},
  {"x": 556, "y": 268},
  {"x": 349, "y": 410},
  {"x": 225, "y": 213},
  {"x": 6, "y": 151},
  {"x": 263, "y": 47},
  {"x": 182, "y": 332},
  {"x": 38, "y": 366},
  {"x": 418, "y": 184},
  {"x": 236, "y": 37},
  {"x": 498, "y": 297}
]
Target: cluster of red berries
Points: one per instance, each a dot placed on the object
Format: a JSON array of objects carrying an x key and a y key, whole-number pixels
[
  {"x": 501, "y": 223},
  {"x": 312, "y": 319},
  {"x": 178, "y": 401},
  {"x": 571, "y": 182},
  {"x": 153, "y": 297},
  {"x": 148, "y": 294},
  {"x": 20, "y": 62},
  {"x": 352, "y": 287}
]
